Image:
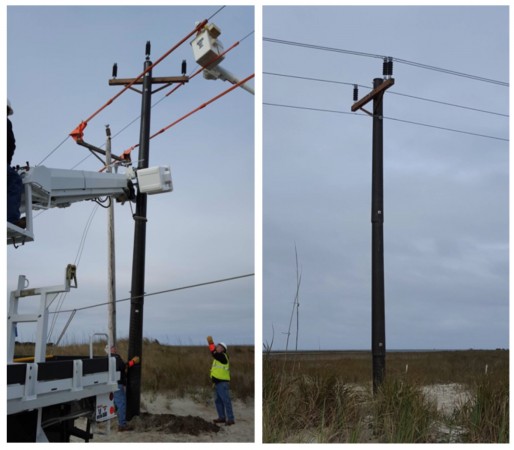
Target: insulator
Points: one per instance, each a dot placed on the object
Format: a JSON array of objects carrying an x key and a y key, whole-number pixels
[
  {"x": 355, "y": 92},
  {"x": 385, "y": 67},
  {"x": 115, "y": 70},
  {"x": 390, "y": 68},
  {"x": 147, "y": 49},
  {"x": 184, "y": 67}
]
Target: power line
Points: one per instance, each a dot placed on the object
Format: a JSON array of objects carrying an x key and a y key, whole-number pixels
[
  {"x": 223, "y": 280},
  {"x": 219, "y": 9},
  {"x": 399, "y": 60},
  {"x": 389, "y": 118},
  {"x": 54, "y": 150},
  {"x": 135, "y": 119},
  {"x": 390, "y": 92}
]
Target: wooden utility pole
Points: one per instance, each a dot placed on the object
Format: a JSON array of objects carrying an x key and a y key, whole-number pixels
[
  {"x": 378, "y": 343},
  {"x": 138, "y": 260}
]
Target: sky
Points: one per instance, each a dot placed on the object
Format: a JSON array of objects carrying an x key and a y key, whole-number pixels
[
  {"x": 59, "y": 61},
  {"x": 446, "y": 190},
  {"x": 446, "y": 181}
]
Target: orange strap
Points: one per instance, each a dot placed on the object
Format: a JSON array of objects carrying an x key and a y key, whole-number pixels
[
  {"x": 204, "y": 105},
  {"x": 127, "y": 152},
  {"x": 78, "y": 133}
]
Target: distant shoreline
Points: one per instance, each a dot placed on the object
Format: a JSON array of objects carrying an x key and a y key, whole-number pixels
[{"x": 304, "y": 352}]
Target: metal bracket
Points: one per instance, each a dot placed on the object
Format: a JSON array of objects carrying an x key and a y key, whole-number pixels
[{"x": 366, "y": 99}]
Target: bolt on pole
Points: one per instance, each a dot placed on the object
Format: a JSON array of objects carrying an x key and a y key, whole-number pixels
[{"x": 378, "y": 343}]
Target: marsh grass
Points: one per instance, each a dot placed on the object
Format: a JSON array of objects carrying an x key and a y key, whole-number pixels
[
  {"x": 402, "y": 413},
  {"x": 183, "y": 370},
  {"x": 327, "y": 397},
  {"x": 318, "y": 407},
  {"x": 486, "y": 415}
]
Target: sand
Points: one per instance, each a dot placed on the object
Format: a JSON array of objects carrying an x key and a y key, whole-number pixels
[
  {"x": 447, "y": 397},
  {"x": 166, "y": 418}
]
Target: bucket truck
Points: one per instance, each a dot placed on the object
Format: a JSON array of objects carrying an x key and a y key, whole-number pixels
[{"x": 45, "y": 395}]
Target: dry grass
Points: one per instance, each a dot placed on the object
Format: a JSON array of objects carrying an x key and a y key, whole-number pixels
[
  {"x": 183, "y": 370},
  {"x": 326, "y": 397}
]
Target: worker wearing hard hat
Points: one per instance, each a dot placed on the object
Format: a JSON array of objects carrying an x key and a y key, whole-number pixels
[
  {"x": 14, "y": 181},
  {"x": 220, "y": 376}
]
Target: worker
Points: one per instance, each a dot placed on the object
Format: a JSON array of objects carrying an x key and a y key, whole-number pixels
[
  {"x": 120, "y": 396},
  {"x": 220, "y": 376},
  {"x": 14, "y": 182}
]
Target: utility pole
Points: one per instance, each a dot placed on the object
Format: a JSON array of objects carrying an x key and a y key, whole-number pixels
[
  {"x": 378, "y": 341},
  {"x": 111, "y": 262},
  {"x": 138, "y": 261}
]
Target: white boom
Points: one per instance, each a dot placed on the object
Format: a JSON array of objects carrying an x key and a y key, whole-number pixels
[{"x": 46, "y": 188}]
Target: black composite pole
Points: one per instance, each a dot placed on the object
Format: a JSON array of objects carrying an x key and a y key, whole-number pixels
[
  {"x": 138, "y": 261},
  {"x": 378, "y": 345}
]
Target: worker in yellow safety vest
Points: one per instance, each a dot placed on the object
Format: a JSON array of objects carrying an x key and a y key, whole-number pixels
[{"x": 220, "y": 376}]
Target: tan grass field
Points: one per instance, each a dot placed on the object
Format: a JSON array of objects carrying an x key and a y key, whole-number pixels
[{"x": 427, "y": 397}]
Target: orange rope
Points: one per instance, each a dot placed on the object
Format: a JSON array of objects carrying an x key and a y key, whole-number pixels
[
  {"x": 203, "y": 105},
  {"x": 78, "y": 132}
]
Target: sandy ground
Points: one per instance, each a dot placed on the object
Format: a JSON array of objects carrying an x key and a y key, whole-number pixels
[
  {"x": 447, "y": 397},
  {"x": 165, "y": 418}
]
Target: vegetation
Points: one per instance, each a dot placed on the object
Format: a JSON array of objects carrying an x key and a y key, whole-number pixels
[
  {"x": 183, "y": 370},
  {"x": 485, "y": 416},
  {"x": 327, "y": 397}
]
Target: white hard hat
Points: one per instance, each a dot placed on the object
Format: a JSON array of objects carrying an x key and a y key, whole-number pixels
[
  {"x": 223, "y": 345},
  {"x": 10, "y": 111}
]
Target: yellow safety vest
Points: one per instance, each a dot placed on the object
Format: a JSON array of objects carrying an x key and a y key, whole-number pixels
[{"x": 220, "y": 371}]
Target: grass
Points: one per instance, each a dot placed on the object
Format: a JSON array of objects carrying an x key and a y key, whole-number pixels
[
  {"x": 402, "y": 413},
  {"x": 486, "y": 415},
  {"x": 183, "y": 370},
  {"x": 327, "y": 397}
]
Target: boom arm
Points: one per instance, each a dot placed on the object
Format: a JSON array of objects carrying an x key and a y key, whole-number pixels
[
  {"x": 61, "y": 187},
  {"x": 46, "y": 188}
]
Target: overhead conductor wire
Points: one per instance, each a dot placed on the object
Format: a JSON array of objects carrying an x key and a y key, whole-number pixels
[
  {"x": 305, "y": 108},
  {"x": 399, "y": 60},
  {"x": 77, "y": 133},
  {"x": 203, "y": 105}
]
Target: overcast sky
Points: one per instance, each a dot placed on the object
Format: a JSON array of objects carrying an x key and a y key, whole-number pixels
[
  {"x": 446, "y": 175},
  {"x": 445, "y": 191},
  {"x": 59, "y": 62}
]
